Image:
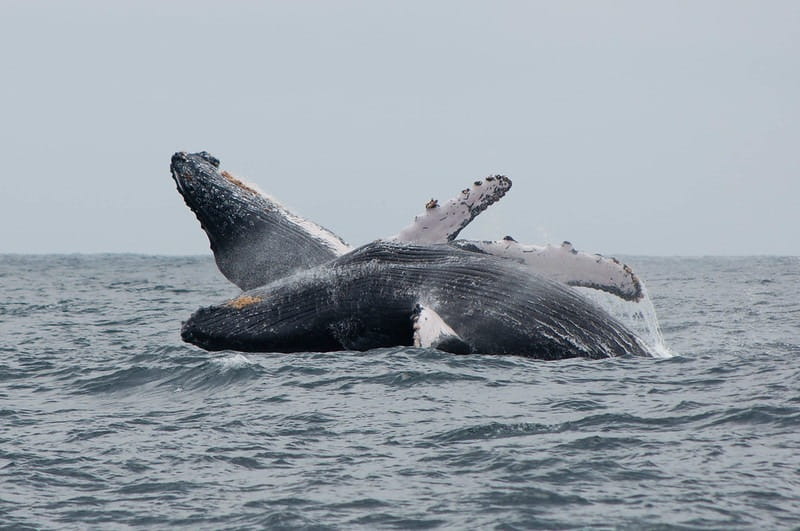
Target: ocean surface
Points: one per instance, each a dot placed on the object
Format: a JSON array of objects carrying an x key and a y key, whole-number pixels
[{"x": 109, "y": 421}]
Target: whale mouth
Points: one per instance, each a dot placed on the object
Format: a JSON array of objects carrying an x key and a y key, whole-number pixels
[
  {"x": 178, "y": 170},
  {"x": 178, "y": 181}
]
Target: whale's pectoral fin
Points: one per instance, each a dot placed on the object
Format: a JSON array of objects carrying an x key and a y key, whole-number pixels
[
  {"x": 442, "y": 223},
  {"x": 430, "y": 331},
  {"x": 566, "y": 264}
]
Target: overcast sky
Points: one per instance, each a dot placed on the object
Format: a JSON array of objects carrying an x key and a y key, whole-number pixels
[{"x": 627, "y": 127}]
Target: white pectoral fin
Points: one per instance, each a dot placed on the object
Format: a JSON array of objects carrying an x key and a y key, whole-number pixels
[
  {"x": 568, "y": 265},
  {"x": 442, "y": 223},
  {"x": 430, "y": 331}
]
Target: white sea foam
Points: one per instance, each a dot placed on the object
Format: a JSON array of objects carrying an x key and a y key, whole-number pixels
[{"x": 233, "y": 361}]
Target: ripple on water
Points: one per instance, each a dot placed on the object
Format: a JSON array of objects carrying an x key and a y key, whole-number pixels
[{"x": 108, "y": 420}]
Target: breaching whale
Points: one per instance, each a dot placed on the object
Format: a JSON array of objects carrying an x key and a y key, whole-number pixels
[
  {"x": 308, "y": 290},
  {"x": 396, "y": 293}
]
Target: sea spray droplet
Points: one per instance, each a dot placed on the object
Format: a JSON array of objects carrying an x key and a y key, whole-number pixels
[{"x": 638, "y": 316}]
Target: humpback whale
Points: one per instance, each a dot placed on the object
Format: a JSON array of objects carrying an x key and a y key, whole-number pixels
[
  {"x": 389, "y": 293},
  {"x": 306, "y": 289}
]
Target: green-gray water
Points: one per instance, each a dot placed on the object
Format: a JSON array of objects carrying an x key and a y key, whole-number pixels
[{"x": 108, "y": 420}]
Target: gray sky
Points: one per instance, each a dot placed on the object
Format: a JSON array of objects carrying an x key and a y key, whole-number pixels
[{"x": 627, "y": 127}]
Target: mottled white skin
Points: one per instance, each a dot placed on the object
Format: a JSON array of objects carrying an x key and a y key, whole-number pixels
[
  {"x": 565, "y": 264},
  {"x": 430, "y": 330},
  {"x": 442, "y": 223}
]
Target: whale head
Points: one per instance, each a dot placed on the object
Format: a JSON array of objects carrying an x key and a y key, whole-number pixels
[
  {"x": 213, "y": 195},
  {"x": 254, "y": 238},
  {"x": 225, "y": 206}
]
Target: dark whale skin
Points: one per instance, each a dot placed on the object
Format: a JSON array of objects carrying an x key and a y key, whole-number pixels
[
  {"x": 253, "y": 239},
  {"x": 365, "y": 299}
]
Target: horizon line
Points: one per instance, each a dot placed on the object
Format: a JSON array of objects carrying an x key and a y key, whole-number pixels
[{"x": 211, "y": 255}]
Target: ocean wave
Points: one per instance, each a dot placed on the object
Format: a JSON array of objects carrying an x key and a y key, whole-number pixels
[{"x": 109, "y": 420}]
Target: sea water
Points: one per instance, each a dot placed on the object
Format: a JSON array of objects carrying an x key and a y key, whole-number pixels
[{"x": 108, "y": 420}]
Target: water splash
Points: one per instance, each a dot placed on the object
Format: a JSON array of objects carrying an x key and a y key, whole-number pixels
[
  {"x": 234, "y": 361},
  {"x": 638, "y": 316}
]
